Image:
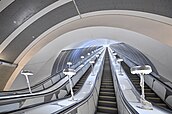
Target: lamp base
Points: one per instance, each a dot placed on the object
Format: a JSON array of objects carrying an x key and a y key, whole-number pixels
[
  {"x": 145, "y": 105},
  {"x": 72, "y": 99}
]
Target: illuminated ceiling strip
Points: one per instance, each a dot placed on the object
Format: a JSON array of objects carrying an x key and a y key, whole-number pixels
[{"x": 30, "y": 21}]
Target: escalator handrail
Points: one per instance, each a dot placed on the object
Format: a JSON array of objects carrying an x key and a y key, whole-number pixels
[
  {"x": 33, "y": 95},
  {"x": 154, "y": 77},
  {"x": 14, "y": 92},
  {"x": 31, "y": 106},
  {"x": 42, "y": 103},
  {"x": 79, "y": 103},
  {"x": 69, "y": 108},
  {"x": 72, "y": 107},
  {"x": 124, "y": 101}
]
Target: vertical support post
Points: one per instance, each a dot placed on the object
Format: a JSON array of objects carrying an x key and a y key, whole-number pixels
[
  {"x": 142, "y": 86},
  {"x": 71, "y": 89},
  {"x": 141, "y": 70},
  {"x": 27, "y": 73},
  {"x": 28, "y": 83},
  {"x": 70, "y": 72}
]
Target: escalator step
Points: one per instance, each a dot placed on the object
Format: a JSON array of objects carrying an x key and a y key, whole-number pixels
[
  {"x": 107, "y": 86},
  {"x": 135, "y": 80},
  {"x": 81, "y": 83},
  {"x": 107, "y": 109},
  {"x": 150, "y": 94},
  {"x": 146, "y": 90},
  {"x": 76, "y": 87},
  {"x": 101, "y": 113},
  {"x": 107, "y": 90},
  {"x": 106, "y": 93},
  {"x": 108, "y": 98},
  {"x": 107, "y": 103},
  {"x": 106, "y": 83},
  {"x": 153, "y": 99},
  {"x": 138, "y": 86}
]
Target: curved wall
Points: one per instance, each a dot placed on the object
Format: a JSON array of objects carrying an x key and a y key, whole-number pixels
[
  {"x": 153, "y": 49},
  {"x": 59, "y": 20}
]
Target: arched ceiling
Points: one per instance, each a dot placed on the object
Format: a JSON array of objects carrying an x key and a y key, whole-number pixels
[{"x": 27, "y": 26}]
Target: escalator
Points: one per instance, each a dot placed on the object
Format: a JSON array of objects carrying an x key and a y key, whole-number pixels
[
  {"x": 150, "y": 95},
  {"x": 107, "y": 100},
  {"x": 76, "y": 88},
  {"x": 80, "y": 83}
]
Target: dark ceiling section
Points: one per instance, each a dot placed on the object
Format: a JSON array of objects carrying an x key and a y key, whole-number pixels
[
  {"x": 161, "y": 7},
  {"x": 17, "y": 13},
  {"x": 86, "y": 6},
  {"x": 37, "y": 28}
]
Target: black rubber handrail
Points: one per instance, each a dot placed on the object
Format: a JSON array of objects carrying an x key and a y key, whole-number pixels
[
  {"x": 79, "y": 103},
  {"x": 66, "y": 109},
  {"x": 14, "y": 92},
  {"x": 125, "y": 102},
  {"x": 52, "y": 84},
  {"x": 152, "y": 74},
  {"x": 38, "y": 104}
]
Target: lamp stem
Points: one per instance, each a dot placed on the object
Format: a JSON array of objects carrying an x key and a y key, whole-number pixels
[
  {"x": 142, "y": 86},
  {"x": 28, "y": 83},
  {"x": 70, "y": 83}
]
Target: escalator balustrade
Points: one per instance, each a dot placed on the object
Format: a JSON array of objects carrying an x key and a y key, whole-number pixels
[
  {"x": 80, "y": 83},
  {"x": 107, "y": 100},
  {"x": 150, "y": 95}
]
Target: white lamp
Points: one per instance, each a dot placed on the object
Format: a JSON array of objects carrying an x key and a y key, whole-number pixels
[
  {"x": 141, "y": 70},
  {"x": 97, "y": 55},
  {"x": 27, "y": 73},
  {"x": 114, "y": 54},
  {"x": 81, "y": 65},
  {"x": 92, "y": 62},
  {"x": 82, "y": 57},
  {"x": 70, "y": 72},
  {"x": 69, "y": 64}
]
